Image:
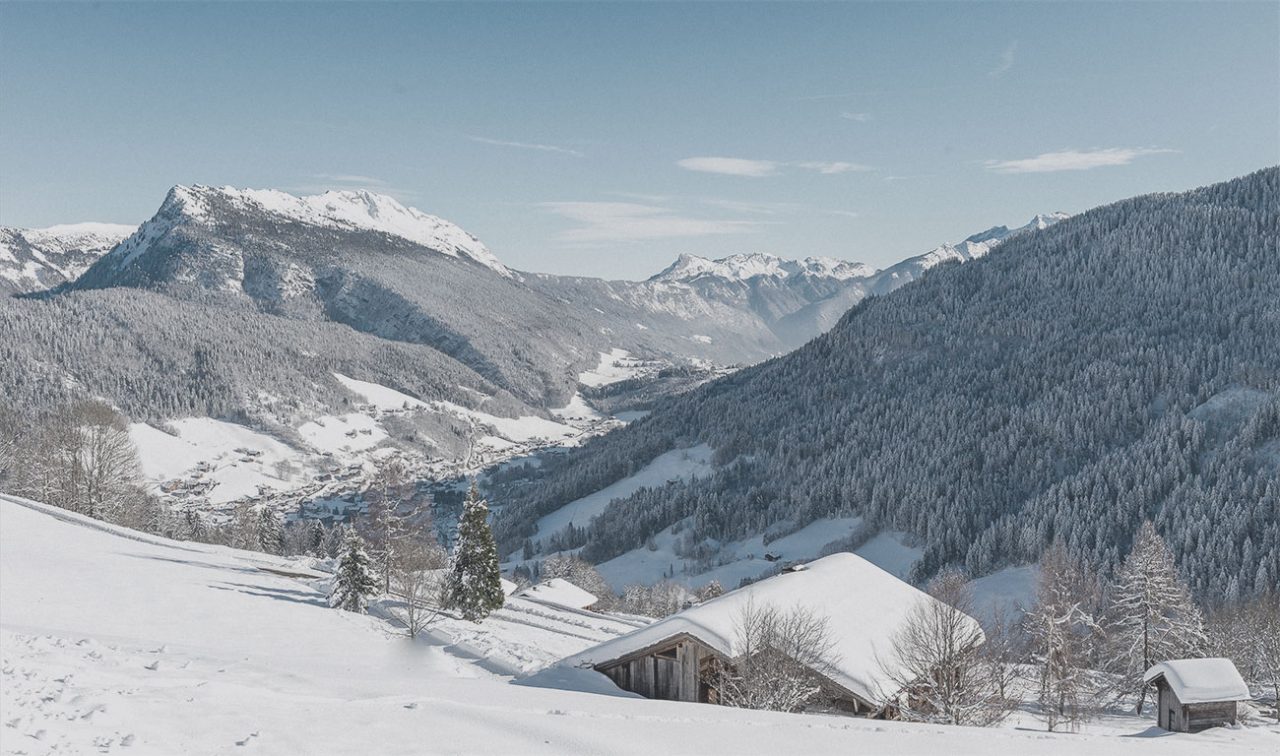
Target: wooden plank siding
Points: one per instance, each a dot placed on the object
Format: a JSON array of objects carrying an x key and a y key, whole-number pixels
[
  {"x": 682, "y": 668},
  {"x": 1175, "y": 716}
]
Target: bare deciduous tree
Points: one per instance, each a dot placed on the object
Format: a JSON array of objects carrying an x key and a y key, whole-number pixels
[
  {"x": 1063, "y": 628},
  {"x": 418, "y": 583},
  {"x": 781, "y": 656},
  {"x": 938, "y": 667}
]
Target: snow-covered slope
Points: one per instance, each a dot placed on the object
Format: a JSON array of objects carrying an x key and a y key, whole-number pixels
[
  {"x": 117, "y": 642},
  {"x": 348, "y": 210},
  {"x": 34, "y": 259}
]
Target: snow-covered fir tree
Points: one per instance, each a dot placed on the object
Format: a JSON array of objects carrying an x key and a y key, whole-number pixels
[
  {"x": 355, "y": 581},
  {"x": 475, "y": 582},
  {"x": 270, "y": 531},
  {"x": 1152, "y": 617},
  {"x": 194, "y": 526}
]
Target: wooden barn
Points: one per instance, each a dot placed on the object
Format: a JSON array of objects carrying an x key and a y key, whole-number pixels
[
  {"x": 675, "y": 658},
  {"x": 1196, "y": 694}
]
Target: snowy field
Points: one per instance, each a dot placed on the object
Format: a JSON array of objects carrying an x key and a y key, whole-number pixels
[
  {"x": 615, "y": 365},
  {"x": 113, "y": 641}
]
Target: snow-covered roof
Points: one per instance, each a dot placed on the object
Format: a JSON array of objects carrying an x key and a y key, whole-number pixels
[
  {"x": 1200, "y": 680},
  {"x": 560, "y": 592},
  {"x": 864, "y": 605}
]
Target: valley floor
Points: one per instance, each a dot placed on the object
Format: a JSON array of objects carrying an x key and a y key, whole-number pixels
[{"x": 115, "y": 640}]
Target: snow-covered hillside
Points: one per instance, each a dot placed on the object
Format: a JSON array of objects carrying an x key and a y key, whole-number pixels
[
  {"x": 114, "y": 641},
  {"x": 34, "y": 259}
]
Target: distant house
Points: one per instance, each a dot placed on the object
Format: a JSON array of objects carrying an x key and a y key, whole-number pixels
[
  {"x": 675, "y": 658},
  {"x": 560, "y": 592},
  {"x": 1196, "y": 694}
]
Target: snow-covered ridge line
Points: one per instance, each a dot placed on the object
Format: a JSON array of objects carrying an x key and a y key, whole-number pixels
[
  {"x": 742, "y": 267},
  {"x": 33, "y": 259},
  {"x": 346, "y": 209}
]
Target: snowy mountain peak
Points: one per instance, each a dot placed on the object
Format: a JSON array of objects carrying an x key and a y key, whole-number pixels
[
  {"x": 742, "y": 267},
  {"x": 347, "y": 209},
  {"x": 33, "y": 259}
]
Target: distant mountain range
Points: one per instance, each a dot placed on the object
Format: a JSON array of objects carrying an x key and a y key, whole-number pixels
[{"x": 365, "y": 260}]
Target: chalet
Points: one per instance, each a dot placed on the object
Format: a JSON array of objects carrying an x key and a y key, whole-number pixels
[
  {"x": 1196, "y": 694},
  {"x": 676, "y": 658}
]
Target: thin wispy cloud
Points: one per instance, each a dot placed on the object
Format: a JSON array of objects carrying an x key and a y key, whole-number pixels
[
  {"x": 1006, "y": 61},
  {"x": 727, "y": 166},
  {"x": 730, "y": 166},
  {"x": 614, "y": 222},
  {"x": 751, "y": 208},
  {"x": 349, "y": 178},
  {"x": 525, "y": 145},
  {"x": 1073, "y": 160},
  {"x": 850, "y": 115}
]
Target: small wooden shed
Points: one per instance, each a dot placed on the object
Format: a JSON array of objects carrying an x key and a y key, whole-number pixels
[{"x": 1196, "y": 694}]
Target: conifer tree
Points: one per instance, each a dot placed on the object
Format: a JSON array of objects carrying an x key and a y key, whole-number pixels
[
  {"x": 475, "y": 582},
  {"x": 196, "y": 527},
  {"x": 315, "y": 538},
  {"x": 244, "y": 528},
  {"x": 270, "y": 531},
  {"x": 1152, "y": 617},
  {"x": 355, "y": 580}
]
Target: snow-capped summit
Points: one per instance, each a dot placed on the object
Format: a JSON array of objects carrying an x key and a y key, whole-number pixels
[
  {"x": 348, "y": 209},
  {"x": 32, "y": 259},
  {"x": 742, "y": 267},
  {"x": 999, "y": 233}
]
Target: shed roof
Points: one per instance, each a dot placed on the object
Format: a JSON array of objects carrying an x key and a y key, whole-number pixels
[
  {"x": 1200, "y": 680},
  {"x": 864, "y": 604},
  {"x": 560, "y": 592}
]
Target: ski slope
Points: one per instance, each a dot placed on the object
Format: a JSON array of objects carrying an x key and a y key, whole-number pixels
[{"x": 117, "y": 642}]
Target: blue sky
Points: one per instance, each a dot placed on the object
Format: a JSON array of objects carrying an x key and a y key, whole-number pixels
[{"x": 605, "y": 139}]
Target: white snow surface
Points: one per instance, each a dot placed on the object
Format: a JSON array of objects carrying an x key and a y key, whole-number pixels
[
  {"x": 560, "y": 592},
  {"x": 864, "y": 604},
  {"x": 237, "y": 459},
  {"x": 1201, "y": 680},
  {"x": 615, "y": 365},
  {"x": 117, "y": 642}
]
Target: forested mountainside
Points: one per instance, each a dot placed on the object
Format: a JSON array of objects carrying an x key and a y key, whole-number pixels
[
  {"x": 1121, "y": 365},
  {"x": 35, "y": 259},
  {"x": 159, "y": 358}
]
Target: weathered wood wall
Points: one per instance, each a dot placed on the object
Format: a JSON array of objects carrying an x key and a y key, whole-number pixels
[{"x": 1175, "y": 716}]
